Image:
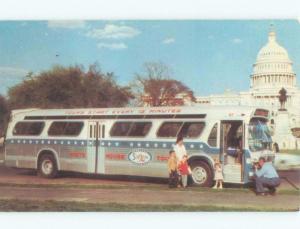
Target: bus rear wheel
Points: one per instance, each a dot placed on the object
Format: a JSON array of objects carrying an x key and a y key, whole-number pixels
[
  {"x": 47, "y": 166},
  {"x": 201, "y": 174}
]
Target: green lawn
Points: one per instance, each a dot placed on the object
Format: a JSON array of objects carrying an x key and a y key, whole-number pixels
[
  {"x": 144, "y": 187},
  {"x": 16, "y": 205}
]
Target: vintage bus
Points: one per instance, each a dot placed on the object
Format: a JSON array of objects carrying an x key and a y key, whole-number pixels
[{"x": 137, "y": 141}]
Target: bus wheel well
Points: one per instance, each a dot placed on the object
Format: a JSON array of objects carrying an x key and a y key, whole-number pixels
[
  {"x": 202, "y": 172},
  {"x": 46, "y": 152},
  {"x": 47, "y": 164},
  {"x": 200, "y": 158}
]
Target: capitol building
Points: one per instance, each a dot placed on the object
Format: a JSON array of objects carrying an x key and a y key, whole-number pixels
[{"x": 272, "y": 71}]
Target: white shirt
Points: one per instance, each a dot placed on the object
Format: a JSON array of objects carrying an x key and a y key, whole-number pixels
[{"x": 180, "y": 151}]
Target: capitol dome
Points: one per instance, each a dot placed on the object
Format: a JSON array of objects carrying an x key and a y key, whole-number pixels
[
  {"x": 272, "y": 51},
  {"x": 273, "y": 67}
]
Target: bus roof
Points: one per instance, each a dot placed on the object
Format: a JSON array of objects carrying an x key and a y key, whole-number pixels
[{"x": 201, "y": 111}]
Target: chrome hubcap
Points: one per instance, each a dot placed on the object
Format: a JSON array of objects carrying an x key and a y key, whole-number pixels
[
  {"x": 199, "y": 175},
  {"x": 47, "y": 167}
]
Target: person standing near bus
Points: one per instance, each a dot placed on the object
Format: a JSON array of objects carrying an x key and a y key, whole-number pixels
[
  {"x": 218, "y": 175},
  {"x": 180, "y": 152},
  {"x": 172, "y": 169},
  {"x": 179, "y": 149},
  {"x": 184, "y": 171},
  {"x": 275, "y": 147}
]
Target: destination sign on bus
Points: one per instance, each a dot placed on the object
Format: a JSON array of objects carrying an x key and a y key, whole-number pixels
[{"x": 261, "y": 112}]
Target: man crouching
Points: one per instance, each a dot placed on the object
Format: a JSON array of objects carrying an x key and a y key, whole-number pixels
[{"x": 265, "y": 176}]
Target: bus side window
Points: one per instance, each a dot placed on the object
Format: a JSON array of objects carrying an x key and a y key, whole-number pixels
[
  {"x": 130, "y": 129},
  {"x": 120, "y": 129},
  {"x": 169, "y": 129},
  {"x": 28, "y": 128},
  {"x": 103, "y": 131},
  {"x": 212, "y": 138},
  {"x": 91, "y": 131},
  {"x": 139, "y": 129},
  {"x": 192, "y": 129},
  {"x": 65, "y": 128},
  {"x": 94, "y": 126}
]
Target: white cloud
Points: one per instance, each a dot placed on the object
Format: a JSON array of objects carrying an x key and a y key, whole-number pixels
[
  {"x": 10, "y": 76},
  {"x": 66, "y": 24},
  {"x": 168, "y": 40},
  {"x": 237, "y": 41},
  {"x": 112, "y": 46},
  {"x": 111, "y": 31}
]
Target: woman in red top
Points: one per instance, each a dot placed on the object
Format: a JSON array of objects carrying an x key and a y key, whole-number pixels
[{"x": 183, "y": 168}]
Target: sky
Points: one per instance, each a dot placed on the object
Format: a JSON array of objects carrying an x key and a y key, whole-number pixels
[{"x": 209, "y": 56}]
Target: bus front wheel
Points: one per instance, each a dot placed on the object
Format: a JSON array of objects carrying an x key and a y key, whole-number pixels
[
  {"x": 201, "y": 174},
  {"x": 47, "y": 167}
]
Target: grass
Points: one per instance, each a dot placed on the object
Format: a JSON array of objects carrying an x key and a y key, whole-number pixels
[
  {"x": 16, "y": 205},
  {"x": 141, "y": 187}
]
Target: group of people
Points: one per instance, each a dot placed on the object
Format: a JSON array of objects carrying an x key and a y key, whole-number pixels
[{"x": 178, "y": 168}]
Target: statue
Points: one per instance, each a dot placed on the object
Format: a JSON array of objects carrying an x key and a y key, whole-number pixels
[{"x": 282, "y": 99}]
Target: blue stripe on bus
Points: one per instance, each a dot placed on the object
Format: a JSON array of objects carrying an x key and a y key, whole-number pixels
[{"x": 115, "y": 143}]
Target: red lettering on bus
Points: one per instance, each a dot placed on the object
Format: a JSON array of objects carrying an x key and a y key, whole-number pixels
[
  {"x": 162, "y": 158},
  {"x": 115, "y": 156},
  {"x": 77, "y": 154}
]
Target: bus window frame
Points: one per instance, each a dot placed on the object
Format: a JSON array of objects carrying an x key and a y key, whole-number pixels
[
  {"x": 151, "y": 122},
  {"x": 31, "y": 135},
  {"x": 175, "y": 121},
  {"x": 217, "y": 133},
  {"x": 183, "y": 122},
  {"x": 197, "y": 122},
  {"x": 68, "y": 121}
]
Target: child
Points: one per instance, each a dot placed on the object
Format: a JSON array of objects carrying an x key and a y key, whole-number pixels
[
  {"x": 218, "y": 175},
  {"x": 183, "y": 168},
  {"x": 172, "y": 169}
]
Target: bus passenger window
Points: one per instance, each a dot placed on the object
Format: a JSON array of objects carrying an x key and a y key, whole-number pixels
[
  {"x": 28, "y": 128},
  {"x": 192, "y": 129},
  {"x": 103, "y": 131},
  {"x": 73, "y": 128},
  {"x": 130, "y": 129},
  {"x": 120, "y": 129},
  {"x": 212, "y": 138},
  {"x": 139, "y": 129},
  {"x": 169, "y": 129},
  {"x": 65, "y": 128},
  {"x": 91, "y": 131}
]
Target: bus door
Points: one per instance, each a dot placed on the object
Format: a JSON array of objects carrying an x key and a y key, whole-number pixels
[
  {"x": 96, "y": 132},
  {"x": 232, "y": 148}
]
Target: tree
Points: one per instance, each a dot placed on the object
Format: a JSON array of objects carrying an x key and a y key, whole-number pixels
[
  {"x": 69, "y": 87},
  {"x": 155, "y": 87},
  {"x": 4, "y": 113}
]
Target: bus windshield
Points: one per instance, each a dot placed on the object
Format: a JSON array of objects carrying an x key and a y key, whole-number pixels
[{"x": 259, "y": 136}]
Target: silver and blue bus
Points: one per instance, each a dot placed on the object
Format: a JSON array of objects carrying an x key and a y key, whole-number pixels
[{"x": 137, "y": 141}]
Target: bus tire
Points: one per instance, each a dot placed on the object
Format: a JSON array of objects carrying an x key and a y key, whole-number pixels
[
  {"x": 202, "y": 174},
  {"x": 47, "y": 166}
]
